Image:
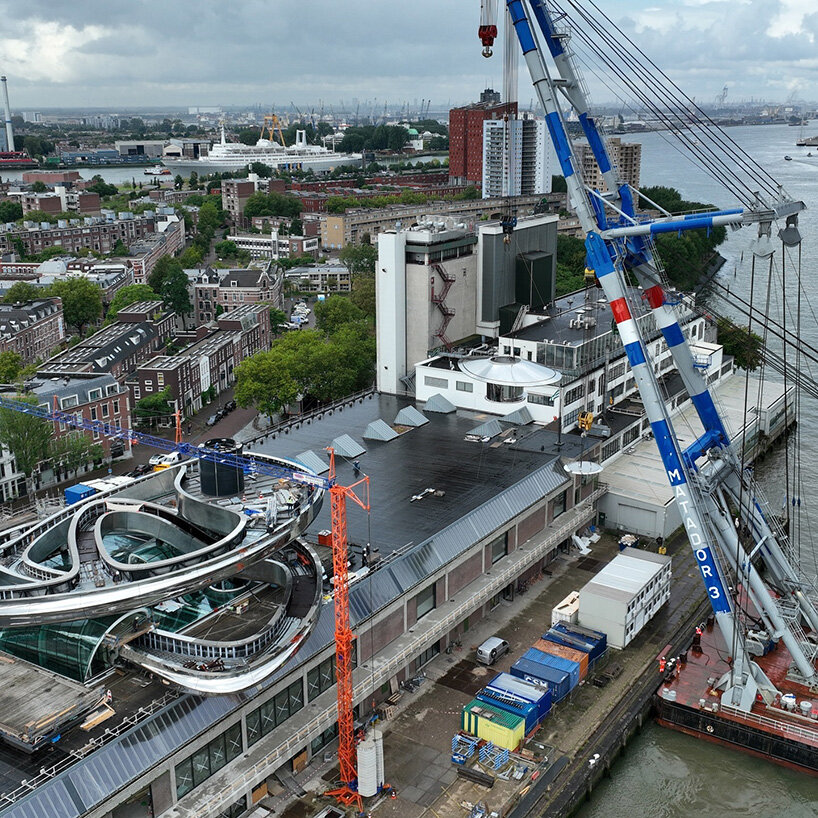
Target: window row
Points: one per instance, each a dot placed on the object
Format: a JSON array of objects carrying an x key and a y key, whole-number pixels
[
  {"x": 274, "y": 712},
  {"x": 208, "y": 760}
]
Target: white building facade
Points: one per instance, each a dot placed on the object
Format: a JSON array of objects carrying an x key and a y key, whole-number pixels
[{"x": 515, "y": 157}]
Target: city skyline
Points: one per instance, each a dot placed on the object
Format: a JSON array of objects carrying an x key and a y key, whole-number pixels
[{"x": 116, "y": 55}]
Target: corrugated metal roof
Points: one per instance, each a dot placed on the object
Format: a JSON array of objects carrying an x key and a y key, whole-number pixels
[
  {"x": 409, "y": 416},
  {"x": 379, "y": 430},
  {"x": 497, "y": 716},
  {"x": 439, "y": 403},
  {"x": 312, "y": 461},
  {"x": 382, "y": 586}
]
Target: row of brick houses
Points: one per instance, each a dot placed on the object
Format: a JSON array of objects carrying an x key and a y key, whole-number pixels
[
  {"x": 140, "y": 331},
  {"x": 87, "y": 395},
  {"x": 168, "y": 240},
  {"x": 230, "y": 289},
  {"x": 33, "y": 330},
  {"x": 208, "y": 362},
  {"x": 91, "y": 233}
]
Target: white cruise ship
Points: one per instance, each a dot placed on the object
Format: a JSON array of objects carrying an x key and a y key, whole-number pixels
[{"x": 236, "y": 156}]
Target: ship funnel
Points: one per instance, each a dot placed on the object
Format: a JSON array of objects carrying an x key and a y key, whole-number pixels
[{"x": 7, "y": 107}]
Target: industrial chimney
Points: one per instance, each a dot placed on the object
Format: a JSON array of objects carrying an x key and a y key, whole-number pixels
[{"x": 9, "y": 132}]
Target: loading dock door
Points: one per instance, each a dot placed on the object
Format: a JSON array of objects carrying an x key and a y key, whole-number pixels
[{"x": 638, "y": 520}]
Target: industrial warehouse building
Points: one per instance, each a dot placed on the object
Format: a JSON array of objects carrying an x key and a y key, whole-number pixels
[{"x": 498, "y": 513}]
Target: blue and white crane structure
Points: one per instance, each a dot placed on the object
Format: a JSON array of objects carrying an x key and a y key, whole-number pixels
[{"x": 706, "y": 473}]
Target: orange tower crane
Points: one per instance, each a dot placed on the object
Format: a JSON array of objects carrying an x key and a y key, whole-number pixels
[{"x": 347, "y": 793}]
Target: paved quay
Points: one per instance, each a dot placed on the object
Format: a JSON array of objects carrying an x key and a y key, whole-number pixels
[{"x": 417, "y": 744}]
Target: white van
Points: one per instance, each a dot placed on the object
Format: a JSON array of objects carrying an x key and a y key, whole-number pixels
[{"x": 491, "y": 650}]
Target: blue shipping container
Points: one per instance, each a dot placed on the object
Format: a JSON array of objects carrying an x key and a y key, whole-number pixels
[
  {"x": 73, "y": 494},
  {"x": 541, "y": 696},
  {"x": 558, "y": 681},
  {"x": 599, "y": 639},
  {"x": 511, "y": 704},
  {"x": 534, "y": 655}
]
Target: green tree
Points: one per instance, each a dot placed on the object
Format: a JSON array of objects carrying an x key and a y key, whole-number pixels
[
  {"x": 248, "y": 136},
  {"x": 335, "y": 311},
  {"x": 191, "y": 257},
  {"x": 363, "y": 294},
  {"x": 178, "y": 181},
  {"x": 22, "y": 291},
  {"x": 39, "y": 187},
  {"x": 27, "y": 437},
  {"x": 10, "y": 211},
  {"x": 277, "y": 319},
  {"x": 81, "y": 301},
  {"x": 261, "y": 170},
  {"x": 101, "y": 187},
  {"x": 71, "y": 451},
  {"x": 120, "y": 249},
  {"x": 271, "y": 380},
  {"x": 193, "y": 181},
  {"x": 746, "y": 347},
  {"x": 226, "y": 249},
  {"x": 296, "y": 227},
  {"x": 161, "y": 270},
  {"x": 271, "y": 204},
  {"x": 359, "y": 259},
  {"x": 151, "y": 408},
  {"x": 175, "y": 295},
  {"x": 11, "y": 364},
  {"x": 124, "y": 297}
]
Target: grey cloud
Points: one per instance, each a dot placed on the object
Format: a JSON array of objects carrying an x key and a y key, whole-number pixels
[{"x": 211, "y": 52}]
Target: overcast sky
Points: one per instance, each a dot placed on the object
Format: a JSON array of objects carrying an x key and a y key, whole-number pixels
[{"x": 112, "y": 54}]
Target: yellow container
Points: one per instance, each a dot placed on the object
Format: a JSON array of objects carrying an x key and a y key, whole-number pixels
[{"x": 492, "y": 724}]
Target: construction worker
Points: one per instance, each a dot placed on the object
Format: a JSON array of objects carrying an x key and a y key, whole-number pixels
[{"x": 662, "y": 664}]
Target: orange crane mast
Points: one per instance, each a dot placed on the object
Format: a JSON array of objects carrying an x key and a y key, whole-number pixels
[{"x": 347, "y": 793}]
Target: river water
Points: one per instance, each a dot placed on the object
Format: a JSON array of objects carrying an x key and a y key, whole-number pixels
[{"x": 666, "y": 774}]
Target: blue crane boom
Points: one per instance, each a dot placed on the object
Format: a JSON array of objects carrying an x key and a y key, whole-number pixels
[
  {"x": 707, "y": 474},
  {"x": 77, "y": 421}
]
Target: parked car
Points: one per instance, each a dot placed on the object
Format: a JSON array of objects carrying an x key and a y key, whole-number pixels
[
  {"x": 230, "y": 406},
  {"x": 142, "y": 468},
  {"x": 491, "y": 650},
  {"x": 213, "y": 420},
  {"x": 163, "y": 461}
]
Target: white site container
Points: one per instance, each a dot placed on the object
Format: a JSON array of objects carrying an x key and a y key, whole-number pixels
[
  {"x": 625, "y": 595},
  {"x": 567, "y": 610}
]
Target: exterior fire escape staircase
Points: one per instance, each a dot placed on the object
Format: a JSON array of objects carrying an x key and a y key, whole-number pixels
[{"x": 439, "y": 299}]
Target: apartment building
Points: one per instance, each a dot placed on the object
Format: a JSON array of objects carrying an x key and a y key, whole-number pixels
[
  {"x": 275, "y": 245},
  {"x": 626, "y": 156},
  {"x": 338, "y": 230},
  {"x": 32, "y": 330},
  {"x": 322, "y": 278},
  {"x": 140, "y": 332},
  {"x": 62, "y": 200},
  {"x": 91, "y": 395},
  {"x": 168, "y": 240},
  {"x": 466, "y": 137},
  {"x": 100, "y": 233}
]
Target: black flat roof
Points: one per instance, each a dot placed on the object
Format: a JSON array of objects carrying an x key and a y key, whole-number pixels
[{"x": 435, "y": 455}]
